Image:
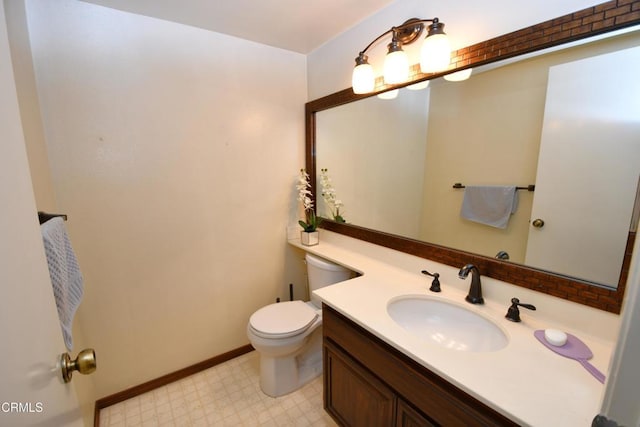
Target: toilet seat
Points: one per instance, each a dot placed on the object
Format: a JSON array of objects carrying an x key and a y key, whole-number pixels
[{"x": 282, "y": 320}]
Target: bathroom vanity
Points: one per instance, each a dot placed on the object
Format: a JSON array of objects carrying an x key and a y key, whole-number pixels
[
  {"x": 376, "y": 372},
  {"x": 369, "y": 383}
]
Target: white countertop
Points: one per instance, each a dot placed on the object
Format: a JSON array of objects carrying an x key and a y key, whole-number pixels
[{"x": 525, "y": 381}]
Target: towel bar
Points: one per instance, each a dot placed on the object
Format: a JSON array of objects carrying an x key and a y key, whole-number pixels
[
  {"x": 44, "y": 216},
  {"x": 530, "y": 187}
]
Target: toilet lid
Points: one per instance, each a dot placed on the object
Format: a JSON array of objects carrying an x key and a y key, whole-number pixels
[{"x": 283, "y": 319}]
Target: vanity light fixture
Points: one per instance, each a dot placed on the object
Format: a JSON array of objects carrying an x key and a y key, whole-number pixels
[{"x": 435, "y": 54}]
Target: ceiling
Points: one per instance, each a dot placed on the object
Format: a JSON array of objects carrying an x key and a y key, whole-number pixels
[{"x": 296, "y": 25}]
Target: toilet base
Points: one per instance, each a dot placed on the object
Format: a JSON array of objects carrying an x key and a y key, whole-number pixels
[{"x": 282, "y": 375}]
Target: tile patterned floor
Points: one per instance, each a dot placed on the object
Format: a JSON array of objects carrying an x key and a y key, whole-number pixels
[{"x": 226, "y": 395}]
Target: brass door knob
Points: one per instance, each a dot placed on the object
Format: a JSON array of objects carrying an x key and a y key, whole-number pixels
[
  {"x": 85, "y": 363},
  {"x": 538, "y": 223}
]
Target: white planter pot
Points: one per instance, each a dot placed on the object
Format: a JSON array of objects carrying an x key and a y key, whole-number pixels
[{"x": 309, "y": 238}]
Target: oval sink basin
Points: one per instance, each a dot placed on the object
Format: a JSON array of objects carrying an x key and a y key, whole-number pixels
[{"x": 446, "y": 324}]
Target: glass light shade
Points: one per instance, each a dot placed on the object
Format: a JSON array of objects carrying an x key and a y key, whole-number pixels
[
  {"x": 363, "y": 80},
  {"x": 396, "y": 67},
  {"x": 459, "y": 76},
  {"x": 389, "y": 94},
  {"x": 419, "y": 86},
  {"x": 435, "y": 54}
]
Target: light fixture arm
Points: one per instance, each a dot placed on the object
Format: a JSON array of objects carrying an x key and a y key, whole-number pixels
[{"x": 406, "y": 33}]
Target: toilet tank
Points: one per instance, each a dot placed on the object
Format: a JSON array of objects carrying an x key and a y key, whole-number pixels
[{"x": 323, "y": 273}]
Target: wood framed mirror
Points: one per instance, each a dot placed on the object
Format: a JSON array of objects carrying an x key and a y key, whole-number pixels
[{"x": 606, "y": 18}]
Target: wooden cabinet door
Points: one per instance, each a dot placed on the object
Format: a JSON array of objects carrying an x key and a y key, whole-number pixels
[
  {"x": 352, "y": 395},
  {"x": 409, "y": 417}
]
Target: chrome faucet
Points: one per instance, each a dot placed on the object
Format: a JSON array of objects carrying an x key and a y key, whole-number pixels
[{"x": 475, "y": 291}]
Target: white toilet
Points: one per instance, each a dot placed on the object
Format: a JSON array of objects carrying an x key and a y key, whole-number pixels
[{"x": 288, "y": 336}]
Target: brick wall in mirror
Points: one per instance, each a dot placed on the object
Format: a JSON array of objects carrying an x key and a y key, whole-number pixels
[{"x": 593, "y": 21}]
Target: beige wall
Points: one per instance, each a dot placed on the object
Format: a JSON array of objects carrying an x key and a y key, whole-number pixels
[
  {"x": 174, "y": 151},
  {"x": 376, "y": 169},
  {"x": 483, "y": 131}
]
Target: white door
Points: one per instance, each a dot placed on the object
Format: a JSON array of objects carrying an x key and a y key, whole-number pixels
[
  {"x": 588, "y": 167},
  {"x": 31, "y": 390}
]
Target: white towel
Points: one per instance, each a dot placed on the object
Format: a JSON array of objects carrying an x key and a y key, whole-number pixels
[
  {"x": 489, "y": 205},
  {"x": 66, "y": 277}
]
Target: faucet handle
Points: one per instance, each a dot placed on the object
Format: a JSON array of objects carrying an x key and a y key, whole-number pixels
[
  {"x": 435, "y": 284},
  {"x": 513, "y": 313}
]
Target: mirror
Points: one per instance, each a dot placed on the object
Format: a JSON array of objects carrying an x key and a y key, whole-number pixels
[
  {"x": 396, "y": 174},
  {"x": 393, "y": 205}
]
